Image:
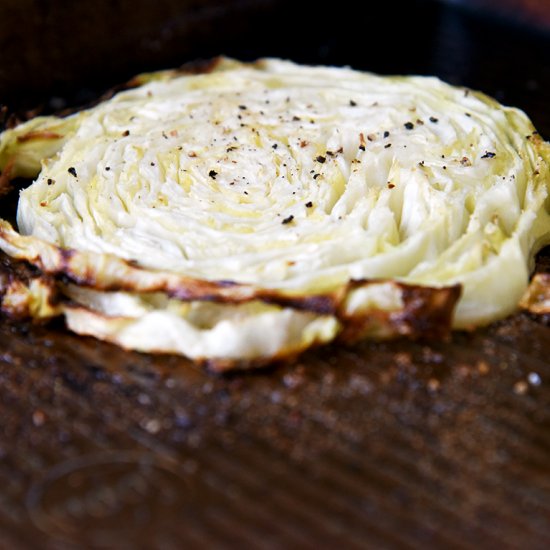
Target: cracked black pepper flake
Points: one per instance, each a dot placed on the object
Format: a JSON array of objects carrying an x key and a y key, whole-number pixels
[
  {"x": 409, "y": 125},
  {"x": 126, "y": 133},
  {"x": 296, "y": 118},
  {"x": 50, "y": 181},
  {"x": 107, "y": 168},
  {"x": 72, "y": 171},
  {"x": 386, "y": 134},
  {"x": 321, "y": 159},
  {"x": 352, "y": 103},
  {"x": 309, "y": 204},
  {"x": 288, "y": 220},
  {"x": 242, "y": 107},
  {"x": 213, "y": 174},
  {"x": 391, "y": 185},
  {"x": 387, "y": 146},
  {"x": 488, "y": 155},
  {"x": 434, "y": 120},
  {"x": 316, "y": 176},
  {"x": 274, "y": 146}
]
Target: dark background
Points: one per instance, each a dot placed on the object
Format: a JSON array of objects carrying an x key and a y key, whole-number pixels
[
  {"x": 72, "y": 51},
  {"x": 399, "y": 445}
]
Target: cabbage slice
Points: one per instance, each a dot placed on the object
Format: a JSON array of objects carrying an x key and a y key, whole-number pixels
[{"x": 305, "y": 203}]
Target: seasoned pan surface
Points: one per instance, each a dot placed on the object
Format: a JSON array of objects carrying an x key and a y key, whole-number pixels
[
  {"x": 383, "y": 444},
  {"x": 379, "y": 445}
]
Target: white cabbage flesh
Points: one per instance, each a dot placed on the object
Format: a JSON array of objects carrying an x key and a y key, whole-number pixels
[
  {"x": 296, "y": 179},
  {"x": 196, "y": 329}
]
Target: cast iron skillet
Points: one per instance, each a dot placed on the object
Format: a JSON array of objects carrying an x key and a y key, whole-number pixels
[{"x": 379, "y": 445}]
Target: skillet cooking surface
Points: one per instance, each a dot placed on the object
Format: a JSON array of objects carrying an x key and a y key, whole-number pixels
[{"x": 386, "y": 445}]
